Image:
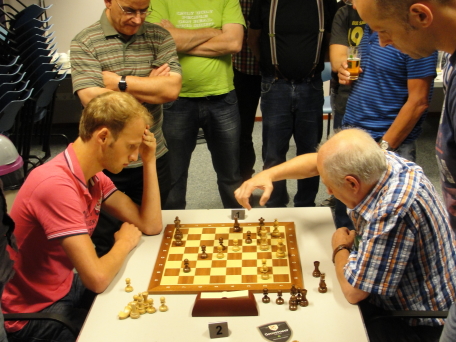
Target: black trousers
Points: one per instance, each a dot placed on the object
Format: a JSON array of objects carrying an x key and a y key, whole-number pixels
[{"x": 130, "y": 182}]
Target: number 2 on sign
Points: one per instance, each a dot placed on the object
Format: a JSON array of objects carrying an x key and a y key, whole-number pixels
[{"x": 218, "y": 329}]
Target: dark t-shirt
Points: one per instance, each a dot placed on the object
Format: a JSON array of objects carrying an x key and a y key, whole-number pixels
[{"x": 297, "y": 28}]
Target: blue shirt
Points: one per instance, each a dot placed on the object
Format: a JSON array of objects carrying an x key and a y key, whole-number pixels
[
  {"x": 407, "y": 250},
  {"x": 381, "y": 90}
]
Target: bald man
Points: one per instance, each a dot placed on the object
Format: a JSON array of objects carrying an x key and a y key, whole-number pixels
[{"x": 401, "y": 255}]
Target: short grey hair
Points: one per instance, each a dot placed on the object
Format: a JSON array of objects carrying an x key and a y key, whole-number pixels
[{"x": 362, "y": 158}]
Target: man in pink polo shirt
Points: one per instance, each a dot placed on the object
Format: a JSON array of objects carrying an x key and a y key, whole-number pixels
[{"x": 57, "y": 209}]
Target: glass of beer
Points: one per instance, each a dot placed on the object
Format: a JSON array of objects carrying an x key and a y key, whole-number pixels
[{"x": 353, "y": 61}]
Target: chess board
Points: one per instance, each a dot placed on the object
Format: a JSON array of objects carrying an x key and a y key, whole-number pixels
[{"x": 236, "y": 271}]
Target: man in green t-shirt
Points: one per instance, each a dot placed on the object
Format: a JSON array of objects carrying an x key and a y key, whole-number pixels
[{"x": 206, "y": 34}]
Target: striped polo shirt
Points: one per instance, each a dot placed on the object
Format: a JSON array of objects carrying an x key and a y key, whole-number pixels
[
  {"x": 381, "y": 90},
  {"x": 100, "y": 47},
  {"x": 407, "y": 250}
]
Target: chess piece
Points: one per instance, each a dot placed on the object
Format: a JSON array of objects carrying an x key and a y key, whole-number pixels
[
  {"x": 178, "y": 241},
  {"x": 316, "y": 273},
  {"x": 280, "y": 252},
  {"x": 128, "y": 288},
  {"x": 292, "y": 304},
  {"x": 150, "y": 306},
  {"x": 221, "y": 243},
  {"x": 263, "y": 230},
  {"x": 266, "y": 298},
  {"x": 140, "y": 305},
  {"x": 264, "y": 242},
  {"x": 186, "y": 266},
  {"x": 236, "y": 248},
  {"x": 293, "y": 290},
  {"x": 177, "y": 222},
  {"x": 178, "y": 234},
  {"x": 261, "y": 221},
  {"x": 298, "y": 296},
  {"x": 134, "y": 313},
  {"x": 322, "y": 286},
  {"x": 279, "y": 300},
  {"x": 220, "y": 254},
  {"x": 203, "y": 252},
  {"x": 249, "y": 238},
  {"x": 264, "y": 271},
  {"x": 304, "y": 302},
  {"x": 125, "y": 313},
  {"x": 163, "y": 306},
  {"x": 275, "y": 233},
  {"x": 236, "y": 227}
]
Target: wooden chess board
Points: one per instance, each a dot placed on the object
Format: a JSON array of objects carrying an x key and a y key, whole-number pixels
[{"x": 236, "y": 271}]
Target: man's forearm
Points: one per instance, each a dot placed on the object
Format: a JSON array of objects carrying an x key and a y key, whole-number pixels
[
  {"x": 303, "y": 166},
  {"x": 155, "y": 89},
  {"x": 187, "y": 40}
]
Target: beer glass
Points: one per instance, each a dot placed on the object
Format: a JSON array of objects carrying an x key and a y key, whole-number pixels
[{"x": 353, "y": 61}]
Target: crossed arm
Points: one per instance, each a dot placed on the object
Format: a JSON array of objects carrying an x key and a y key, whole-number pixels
[
  {"x": 160, "y": 86},
  {"x": 206, "y": 42}
]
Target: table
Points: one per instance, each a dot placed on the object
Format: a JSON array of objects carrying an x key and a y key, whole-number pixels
[{"x": 329, "y": 317}]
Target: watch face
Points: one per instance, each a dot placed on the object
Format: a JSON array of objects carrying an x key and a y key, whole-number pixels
[
  {"x": 384, "y": 145},
  {"x": 122, "y": 84}
]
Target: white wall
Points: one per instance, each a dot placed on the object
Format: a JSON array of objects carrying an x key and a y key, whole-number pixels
[{"x": 68, "y": 16}]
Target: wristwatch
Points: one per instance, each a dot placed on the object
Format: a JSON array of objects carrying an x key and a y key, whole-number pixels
[
  {"x": 123, "y": 83},
  {"x": 384, "y": 145},
  {"x": 338, "y": 249}
]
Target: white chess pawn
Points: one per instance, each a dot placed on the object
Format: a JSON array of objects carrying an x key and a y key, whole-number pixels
[
  {"x": 163, "y": 307},
  {"x": 220, "y": 254},
  {"x": 134, "y": 313},
  {"x": 236, "y": 248},
  {"x": 150, "y": 306},
  {"x": 280, "y": 253}
]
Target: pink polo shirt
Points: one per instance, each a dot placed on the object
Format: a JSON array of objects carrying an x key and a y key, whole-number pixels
[{"x": 54, "y": 202}]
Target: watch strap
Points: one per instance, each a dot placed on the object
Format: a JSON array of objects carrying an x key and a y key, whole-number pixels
[
  {"x": 123, "y": 83},
  {"x": 338, "y": 249}
]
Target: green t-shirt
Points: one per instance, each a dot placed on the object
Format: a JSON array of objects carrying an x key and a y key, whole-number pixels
[{"x": 201, "y": 76}]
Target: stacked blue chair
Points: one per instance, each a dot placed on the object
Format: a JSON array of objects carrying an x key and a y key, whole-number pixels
[{"x": 29, "y": 78}]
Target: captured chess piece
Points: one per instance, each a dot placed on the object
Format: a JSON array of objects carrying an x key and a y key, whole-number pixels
[
  {"x": 292, "y": 304},
  {"x": 322, "y": 286},
  {"x": 134, "y": 313},
  {"x": 304, "y": 302},
  {"x": 275, "y": 233},
  {"x": 280, "y": 253},
  {"x": 141, "y": 306},
  {"x": 128, "y": 288},
  {"x": 203, "y": 252},
  {"x": 264, "y": 270},
  {"x": 236, "y": 247},
  {"x": 316, "y": 273},
  {"x": 298, "y": 296},
  {"x": 163, "y": 306},
  {"x": 249, "y": 238},
  {"x": 220, "y": 254},
  {"x": 186, "y": 266},
  {"x": 125, "y": 313},
  {"x": 266, "y": 298},
  {"x": 293, "y": 290},
  {"x": 150, "y": 306},
  {"x": 279, "y": 300},
  {"x": 236, "y": 227}
]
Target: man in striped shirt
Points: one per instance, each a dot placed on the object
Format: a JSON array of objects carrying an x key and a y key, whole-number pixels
[
  {"x": 402, "y": 252},
  {"x": 121, "y": 52}
]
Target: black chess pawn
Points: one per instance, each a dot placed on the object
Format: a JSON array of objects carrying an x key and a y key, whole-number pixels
[
  {"x": 279, "y": 300},
  {"x": 266, "y": 298},
  {"x": 203, "y": 252},
  {"x": 298, "y": 296},
  {"x": 178, "y": 241},
  {"x": 316, "y": 273},
  {"x": 221, "y": 243},
  {"x": 249, "y": 238},
  {"x": 186, "y": 266},
  {"x": 236, "y": 227},
  {"x": 322, "y": 286},
  {"x": 177, "y": 222},
  {"x": 292, "y": 304},
  {"x": 304, "y": 302}
]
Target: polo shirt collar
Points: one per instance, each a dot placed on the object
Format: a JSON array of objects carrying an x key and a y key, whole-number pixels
[
  {"x": 75, "y": 168},
  {"x": 110, "y": 31}
]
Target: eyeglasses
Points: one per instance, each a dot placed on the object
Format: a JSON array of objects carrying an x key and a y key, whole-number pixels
[{"x": 133, "y": 13}]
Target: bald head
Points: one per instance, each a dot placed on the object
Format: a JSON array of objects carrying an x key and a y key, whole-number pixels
[{"x": 352, "y": 152}]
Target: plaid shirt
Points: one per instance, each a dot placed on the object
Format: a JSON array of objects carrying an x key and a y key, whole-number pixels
[
  {"x": 244, "y": 61},
  {"x": 407, "y": 251}
]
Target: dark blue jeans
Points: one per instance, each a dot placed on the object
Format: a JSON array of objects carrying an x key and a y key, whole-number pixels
[
  {"x": 291, "y": 109},
  {"x": 74, "y": 306},
  {"x": 218, "y": 116}
]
